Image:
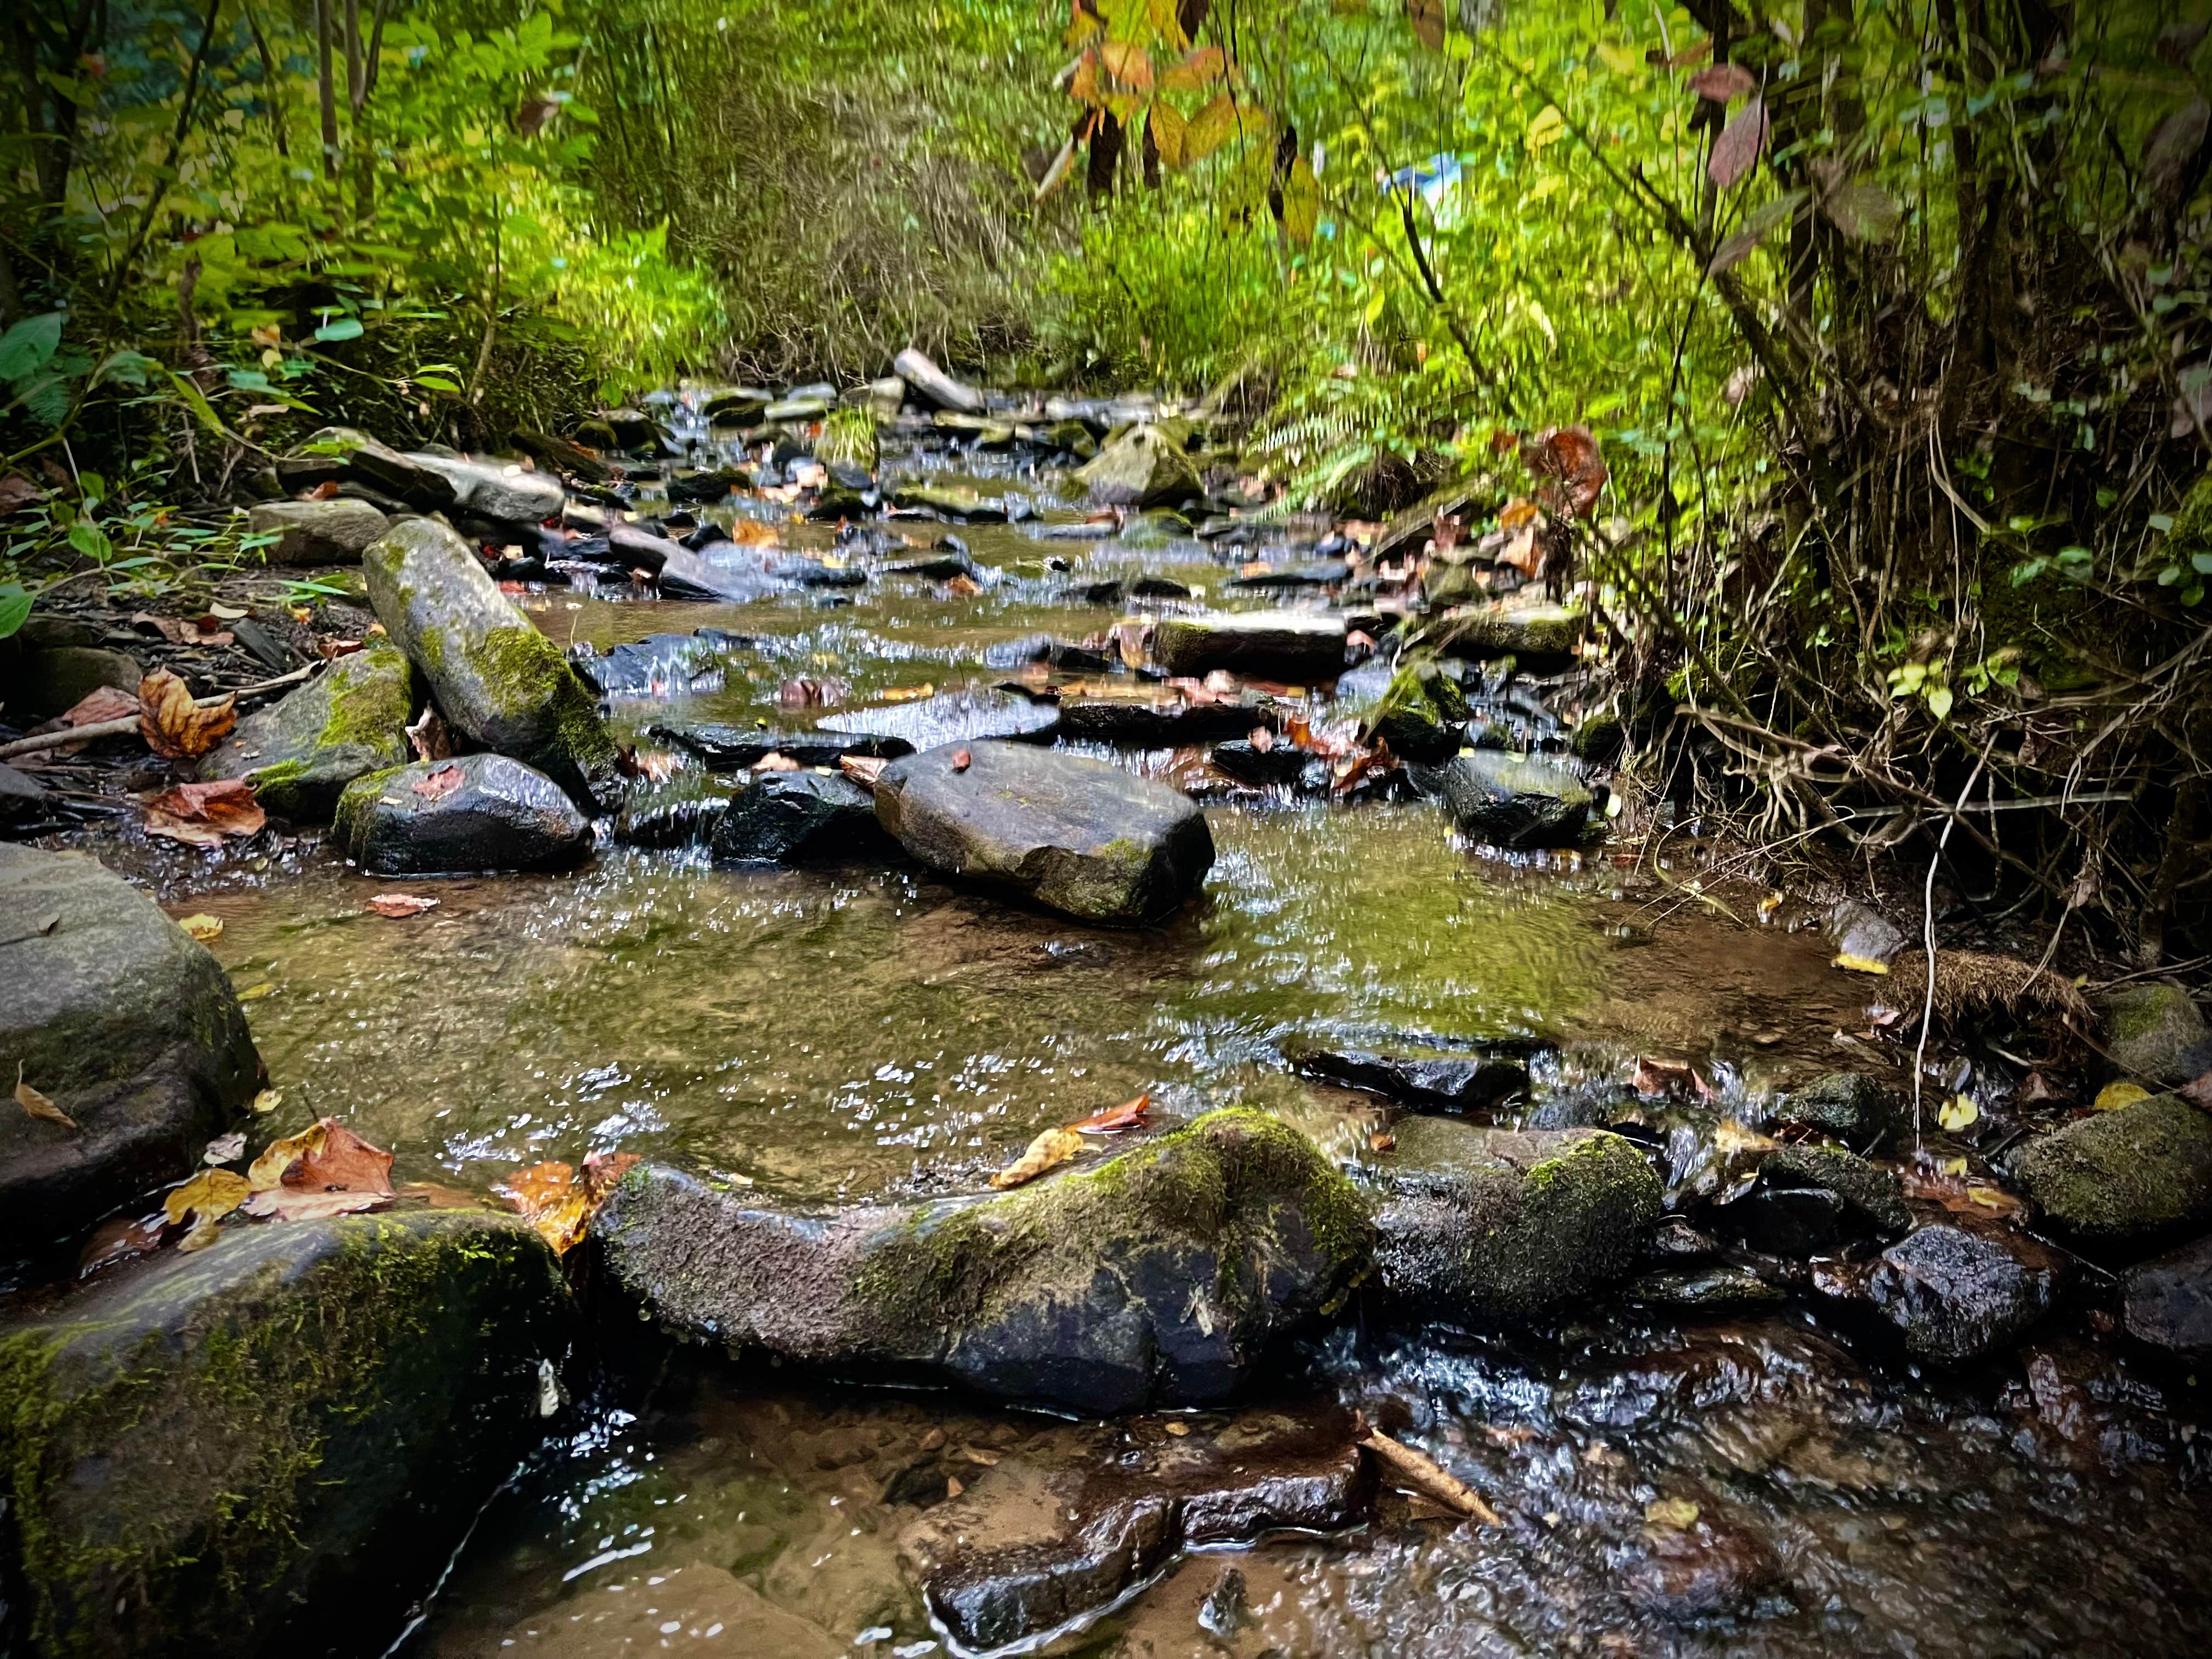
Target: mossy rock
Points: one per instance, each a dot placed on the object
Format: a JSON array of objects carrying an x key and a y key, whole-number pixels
[
  {"x": 1873, "y": 1195},
  {"x": 1422, "y": 715},
  {"x": 1148, "y": 465},
  {"x": 498, "y": 681},
  {"x": 1510, "y": 800},
  {"x": 2159, "y": 1034},
  {"x": 1541, "y": 637},
  {"x": 463, "y": 817},
  {"x": 301, "y": 752},
  {"x": 1849, "y": 1105},
  {"x": 227, "y": 1451},
  {"x": 1165, "y": 1275},
  {"x": 2126, "y": 1181},
  {"x": 1482, "y": 1223}
]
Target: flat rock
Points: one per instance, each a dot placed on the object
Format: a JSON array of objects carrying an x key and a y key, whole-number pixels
[
  {"x": 2167, "y": 1303},
  {"x": 1071, "y": 834},
  {"x": 1955, "y": 1292},
  {"x": 1719, "y": 1287},
  {"x": 1285, "y": 577},
  {"x": 953, "y": 717},
  {"x": 661, "y": 665},
  {"x": 301, "y": 752},
  {"x": 1539, "y": 637},
  {"x": 1850, "y": 1105},
  {"x": 344, "y": 455},
  {"x": 214, "y": 1451},
  {"x": 1153, "y": 719},
  {"x": 39, "y": 684},
  {"x": 926, "y": 380},
  {"x": 787, "y": 817},
  {"x": 1479, "y": 1223},
  {"x": 1144, "y": 466},
  {"x": 504, "y": 491},
  {"x": 500, "y": 683},
  {"x": 1510, "y": 800},
  {"x": 1295, "y": 646},
  {"x": 2124, "y": 1181},
  {"x": 1279, "y": 763},
  {"x": 2159, "y": 1034},
  {"x": 473, "y": 813},
  {"x": 1457, "y": 1082},
  {"x": 1167, "y": 1274},
  {"x": 738, "y": 748},
  {"x": 317, "y": 533},
  {"x": 126, "y": 1023}
]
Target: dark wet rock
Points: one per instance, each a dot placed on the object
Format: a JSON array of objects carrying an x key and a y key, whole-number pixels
[
  {"x": 126, "y": 1023},
  {"x": 1715, "y": 1566},
  {"x": 956, "y": 502},
  {"x": 796, "y": 412},
  {"x": 942, "y": 567},
  {"x": 1849, "y": 1105},
  {"x": 700, "y": 538},
  {"x": 1539, "y": 638},
  {"x": 710, "y": 486},
  {"x": 683, "y": 574},
  {"x": 1481, "y": 1222},
  {"x": 1100, "y": 593},
  {"x": 1599, "y": 738},
  {"x": 1028, "y": 1548},
  {"x": 1321, "y": 573},
  {"x": 739, "y": 748},
  {"x": 1718, "y": 1287},
  {"x": 953, "y": 717},
  {"x": 1157, "y": 720},
  {"x": 1145, "y": 466},
  {"x": 1223, "y": 1610},
  {"x": 660, "y": 664},
  {"x": 2169, "y": 1302},
  {"x": 787, "y": 817},
  {"x": 1788, "y": 1221},
  {"x": 568, "y": 456},
  {"x": 1408, "y": 531},
  {"x": 496, "y": 679},
  {"x": 1674, "y": 1240},
  {"x": 1157, "y": 588},
  {"x": 2127, "y": 1181},
  {"x": 801, "y": 572},
  {"x": 300, "y": 753},
  {"x": 1859, "y": 930},
  {"x": 2159, "y": 1034},
  {"x": 493, "y": 489},
  {"x": 317, "y": 533},
  {"x": 1873, "y": 1196},
  {"x": 1956, "y": 1291},
  {"x": 1296, "y": 647},
  {"x": 1456, "y": 1082},
  {"x": 736, "y": 405},
  {"x": 839, "y": 503},
  {"x": 1043, "y": 647},
  {"x": 341, "y": 455},
  {"x": 1069, "y": 833},
  {"x": 1167, "y": 1274},
  {"x": 1421, "y": 715},
  {"x": 931, "y": 384},
  {"x": 21, "y": 795},
  {"x": 39, "y": 684},
  {"x": 217, "y": 1451},
  {"x": 1510, "y": 800},
  {"x": 981, "y": 431},
  {"x": 680, "y": 812},
  {"x": 498, "y": 815},
  {"x": 1278, "y": 763}
]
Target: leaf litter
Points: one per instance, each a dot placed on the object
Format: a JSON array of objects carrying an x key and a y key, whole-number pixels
[{"x": 559, "y": 1200}]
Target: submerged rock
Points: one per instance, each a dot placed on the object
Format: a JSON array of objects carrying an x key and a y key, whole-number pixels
[
  {"x": 1145, "y": 466},
  {"x": 1296, "y": 647},
  {"x": 1164, "y": 1275},
  {"x": 1510, "y": 800},
  {"x": 1481, "y": 1222},
  {"x": 1071, "y": 834},
  {"x": 317, "y": 533},
  {"x": 682, "y": 812},
  {"x": 301, "y": 752},
  {"x": 1278, "y": 763},
  {"x": 783, "y": 818},
  {"x": 1956, "y": 1291},
  {"x": 953, "y": 717},
  {"x": 2125, "y": 1181},
  {"x": 126, "y": 1023},
  {"x": 498, "y": 681},
  {"x": 2169, "y": 1302},
  {"x": 660, "y": 664},
  {"x": 2159, "y": 1034},
  {"x": 217, "y": 1451},
  {"x": 475, "y": 812},
  {"x": 1456, "y": 1082},
  {"x": 1718, "y": 1287}
]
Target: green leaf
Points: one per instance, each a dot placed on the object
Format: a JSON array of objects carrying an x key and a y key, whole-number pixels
[
  {"x": 124, "y": 367},
  {"x": 14, "y": 608},
  {"x": 30, "y": 345},
  {"x": 1939, "y": 701},
  {"x": 2202, "y": 563},
  {"x": 339, "y": 328},
  {"x": 89, "y": 539}
]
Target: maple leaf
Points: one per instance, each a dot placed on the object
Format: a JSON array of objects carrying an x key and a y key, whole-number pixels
[
  {"x": 205, "y": 814},
  {"x": 175, "y": 726}
]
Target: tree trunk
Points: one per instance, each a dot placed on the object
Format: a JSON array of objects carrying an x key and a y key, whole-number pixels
[{"x": 326, "y": 45}]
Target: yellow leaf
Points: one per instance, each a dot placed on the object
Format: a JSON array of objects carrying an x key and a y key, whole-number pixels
[
  {"x": 1048, "y": 1151},
  {"x": 1548, "y": 128},
  {"x": 1167, "y": 129},
  {"x": 1730, "y": 1137},
  {"x": 1674, "y": 1513},
  {"x": 206, "y": 929},
  {"x": 267, "y": 1102},
  {"x": 212, "y": 1193},
  {"x": 279, "y": 1156},
  {"x": 1958, "y": 1113},
  {"x": 1861, "y": 964},
  {"x": 1084, "y": 89},
  {"x": 1618, "y": 58},
  {"x": 1209, "y": 129},
  {"x": 1301, "y": 203},
  {"x": 1131, "y": 65},
  {"x": 255, "y": 992},
  {"x": 37, "y": 1104},
  {"x": 2113, "y": 1096}
]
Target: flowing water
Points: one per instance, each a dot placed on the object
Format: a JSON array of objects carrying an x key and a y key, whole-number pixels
[{"x": 833, "y": 1034}]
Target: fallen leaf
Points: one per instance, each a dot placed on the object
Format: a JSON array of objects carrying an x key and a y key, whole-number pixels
[
  {"x": 806, "y": 692},
  {"x": 1730, "y": 1137},
  {"x": 265, "y": 1102},
  {"x": 225, "y": 1149},
  {"x": 176, "y": 727},
  {"x": 557, "y": 1202},
  {"x": 751, "y": 533},
  {"x": 435, "y": 786},
  {"x": 1382, "y": 1140},
  {"x": 119, "y": 1240},
  {"x": 255, "y": 992},
  {"x": 952, "y": 1486},
  {"x": 776, "y": 760},
  {"x": 2198, "y": 1093},
  {"x": 323, "y": 491},
  {"x": 909, "y": 693},
  {"x": 1178, "y": 1430},
  {"x": 210, "y": 1194},
  {"x": 205, "y": 814},
  {"x": 962, "y": 760},
  {"x": 429, "y": 739},
  {"x": 1048, "y": 1151},
  {"x": 401, "y": 904},
  {"x": 179, "y": 630},
  {"x": 965, "y": 587},
  {"x": 328, "y": 1171},
  {"x": 654, "y": 765},
  {"x": 206, "y": 929},
  {"x": 18, "y": 492},
  {"x": 226, "y": 612},
  {"x": 1567, "y": 456},
  {"x": 37, "y": 1104},
  {"x": 1677, "y": 1514},
  {"x": 1958, "y": 1113},
  {"x": 2113, "y": 1096},
  {"x": 1660, "y": 1076},
  {"x": 863, "y": 769},
  {"x": 1421, "y": 1473},
  {"x": 330, "y": 650},
  {"x": 602, "y": 1170},
  {"x": 1853, "y": 964},
  {"x": 100, "y": 705},
  {"x": 1130, "y": 1115}
]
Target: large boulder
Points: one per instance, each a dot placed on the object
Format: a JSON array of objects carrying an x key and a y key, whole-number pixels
[
  {"x": 1539, "y": 638},
  {"x": 1071, "y": 834},
  {"x": 2159, "y": 1034},
  {"x": 1510, "y": 800},
  {"x": 274, "y": 1444},
  {"x": 2167, "y": 1303},
  {"x": 786, "y": 817},
  {"x": 1165, "y": 1275},
  {"x": 1479, "y": 1223},
  {"x": 41, "y": 681},
  {"x": 301, "y": 752},
  {"x": 334, "y": 531},
  {"x": 122, "y": 1020},
  {"x": 498, "y": 681},
  {"x": 2124, "y": 1181},
  {"x": 503, "y": 490},
  {"x": 1956, "y": 1291},
  {"x": 342, "y": 455},
  {"x": 1296, "y": 647},
  {"x": 458, "y": 816},
  {"x": 1144, "y": 466}
]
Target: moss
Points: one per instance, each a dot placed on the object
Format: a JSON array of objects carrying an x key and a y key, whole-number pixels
[
  {"x": 847, "y": 436},
  {"x": 370, "y": 708},
  {"x": 522, "y": 668},
  {"x": 2126, "y": 1178}
]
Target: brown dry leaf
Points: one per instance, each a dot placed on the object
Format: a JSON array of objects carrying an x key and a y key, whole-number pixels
[
  {"x": 806, "y": 691},
  {"x": 225, "y": 1149},
  {"x": 558, "y": 1203},
  {"x": 205, "y": 814},
  {"x": 1660, "y": 1076},
  {"x": 962, "y": 760},
  {"x": 602, "y": 1170},
  {"x": 1048, "y": 1151},
  {"x": 1516, "y": 514},
  {"x": 278, "y": 1156},
  {"x": 439, "y": 784},
  {"x": 176, "y": 727},
  {"x": 120, "y": 1240},
  {"x": 401, "y": 904},
  {"x": 1130, "y": 1115},
  {"x": 1418, "y": 1473},
  {"x": 430, "y": 739},
  {"x": 100, "y": 705},
  {"x": 37, "y": 1104},
  {"x": 323, "y": 491},
  {"x": 751, "y": 533},
  {"x": 211, "y": 1194},
  {"x": 205, "y": 928},
  {"x": 965, "y": 587},
  {"x": 179, "y": 630},
  {"x": 330, "y": 650},
  {"x": 1723, "y": 82},
  {"x": 331, "y": 1171},
  {"x": 1567, "y": 458},
  {"x": 1382, "y": 1140},
  {"x": 1737, "y": 149},
  {"x": 863, "y": 769},
  {"x": 2199, "y": 1092},
  {"x": 1730, "y": 1137},
  {"x": 18, "y": 492}
]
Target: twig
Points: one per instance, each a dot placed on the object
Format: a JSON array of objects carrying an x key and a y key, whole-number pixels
[
  {"x": 1423, "y": 1475},
  {"x": 129, "y": 723},
  {"x": 1927, "y": 937}
]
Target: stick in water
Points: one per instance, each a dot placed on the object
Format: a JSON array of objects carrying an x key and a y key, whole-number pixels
[{"x": 1420, "y": 1474}]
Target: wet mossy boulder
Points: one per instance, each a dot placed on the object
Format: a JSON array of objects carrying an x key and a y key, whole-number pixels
[
  {"x": 1165, "y": 1275},
  {"x": 300, "y": 753},
  {"x": 1145, "y": 466},
  {"x": 2159, "y": 1034},
  {"x": 460, "y": 816},
  {"x": 498, "y": 681},
  {"x": 1540, "y": 638},
  {"x": 125, "y": 1022},
  {"x": 791, "y": 818},
  {"x": 2124, "y": 1181},
  {"x": 1298, "y": 647},
  {"x": 1510, "y": 800},
  {"x": 273, "y": 1444},
  {"x": 1849, "y": 1105},
  {"x": 334, "y": 531},
  {"x": 1477, "y": 1223},
  {"x": 1422, "y": 715},
  {"x": 1812, "y": 1199},
  {"x": 1073, "y": 835}
]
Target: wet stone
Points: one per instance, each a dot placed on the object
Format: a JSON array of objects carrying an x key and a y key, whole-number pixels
[
  {"x": 1277, "y": 764},
  {"x": 788, "y": 817},
  {"x": 1455, "y": 1082},
  {"x": 1156, "y": 721},
  {"x": 1956, "y": 1292},
  {"x": 1144, "y": 466},
  {"x": 1714, "y": 1566},
  {"x": 474, "y": 813},
  {"x": 1539, "y": 638},
  {"x": 300, "y": 753},
  {"x": 1850, "y": 1105},
  {"x": 1295, "y": 647},
  {"x": 317, "y": 533},
  {"x": 1322, "y": 573},
  {"x": 682, "y": 812},
  {"x": 953, "y": 717},
  {"x": 1043, "y": 647},
  {"x": 1510, "y": 800},
  {"x": 1223, "y": 1610},
  {"x": 1722, "y": 1287},
  {"x": 738, "y": 748},
  {"x": 2159, "y": 1034},
  {"x": 2123, "y": 1182},
  {"x": 661, "y": 665},
  {"x": 340, "y": 454},
  {"x": 491, "y": 489},
  {"x": 2169, "y": 1302},
  {"x": 1788, "y": 1221},
  {"x": 1873, "y": 1197}
]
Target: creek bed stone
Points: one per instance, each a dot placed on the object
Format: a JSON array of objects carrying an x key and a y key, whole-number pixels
[
  {"x": 497, "y": 814},
  {"x": 1296, "y": 647},
  {"x": 300, "y": 753}
]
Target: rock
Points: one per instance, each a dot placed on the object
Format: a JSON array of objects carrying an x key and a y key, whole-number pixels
[
  {"x": 683, "y": 574},
  {"x": 496, "y": 814},
  {"x": 1456, "y": 1082},
  {"x": 802, "y": 572},
  {"x": 981, "y": 430},
  {"x": 1223, "y": 1610},
  {"x": 221, "y": 1450},
  {"x": 497, "y": 680},
  {"x": 1028, "y": 1548},
  {"x": 739, "y": 748},
  {"x": 1510, "y": 800},
  {"x": 1539, "y": 638},
  {"x": 1479, "y": 1223},
  {"x": 933, "y": 384},
  {"x": 565, "y": 454},
  {"x": 883, "y": 398},
  {"x": 1071, "y": 834},
  {"x": 339, "y": 454},
  {"x": 796, "y": 412},
  {"x": 1871, "y": 1199},
  {"x": 1956, "y": 1292},
  {"x": 1719, "y": 1288},
  {"x": 713, "y": 486},
  {"x": 785, "y": 817},
  {"x": 2168, "y": 1303},
  {"x": 739, "y": 405},
  {"x": 1296, "y": 647},
  {"x": 2159, "y": 1035},
  {"x": 1849, "y": 1105},
  {"x": 1422, "y": 715},
  {"x": 1152, "y": 719},
  {"x": 1043, "y": 647},
  {"x": 301, "y": 752},
  {"x": 1142, "y": 467},
  {"x": 1857, "y": 930},
  {"x": 1157, "y": 588},
  {"x": 1713, "y": 1567},
  {"x": 1409, "y": 531},
  {"x": 126, "y": 1023},
  {"x": 1788, "y": 1221},
  {"x": 1322, "y": 573},
  {"x": 680, "y": 812},
  {"x": 21, "y": 795},
  {"x": 1165, "y": 1275},
  {"x": 510, "y": 492},
  {"x": 660, "y": 664},
  {"x": 37, "y": 685},
  {"x": 2124, "y": 1182},
  {"x": 953, "y": 501},
  {"x": 953, "y": 717},
  {"x": 1245, "y": 761},
  {"x": 317, "y": 533}
]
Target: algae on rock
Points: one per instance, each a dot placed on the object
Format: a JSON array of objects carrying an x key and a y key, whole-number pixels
[{"x": 300, "y": 754}]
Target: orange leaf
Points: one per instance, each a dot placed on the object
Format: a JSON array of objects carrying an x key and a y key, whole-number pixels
[
  {"x": 1131, "y": 65},
  {"x": 326, "y": 1171},
  {"x": 100, "y": 705},
  {"x": 440, "y": 783},
  {"x": 558, "y": 1205},
  {"x": 1515, "y": 513},
  {"x": 205, "y": 814},
  {"x": 401, "y": 904},
  {"x": 175, "y": 727},
  {"x": 38, "y": 1105},
  {"x": 1130, "y": 1115},
  {"x": 1084, "y": 88},
  {"x": 602, "y": 1170}
]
